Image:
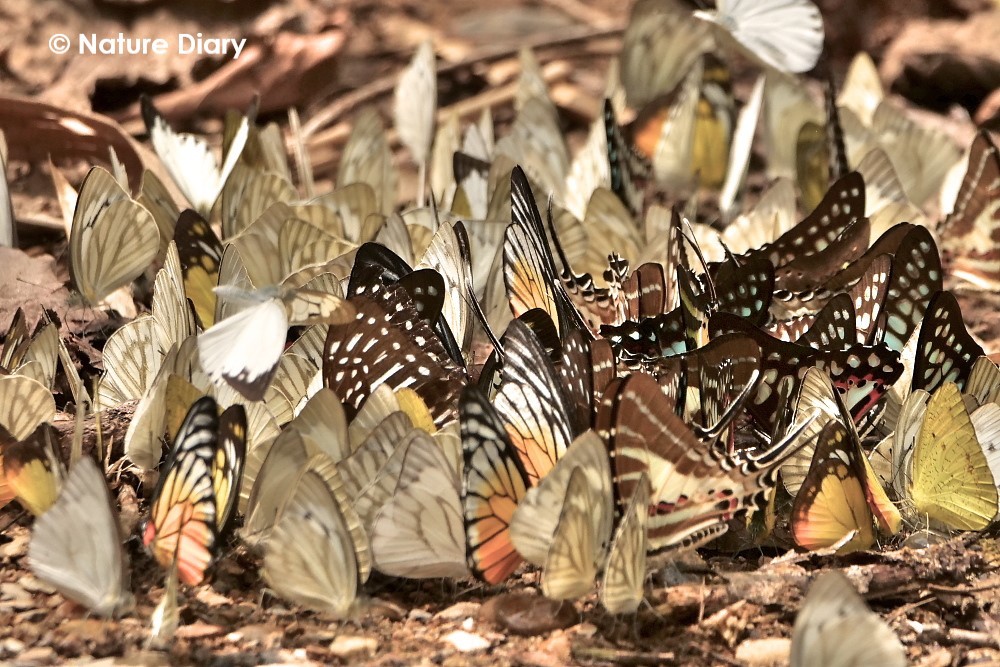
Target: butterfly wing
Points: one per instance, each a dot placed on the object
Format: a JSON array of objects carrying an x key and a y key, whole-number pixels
[
  {"x": 951, "y": 482},
  {"x": 76, "y": 545},
  {"x": 831, "y": 502},
  {"x": 835, "y": 627},
  {"x": 182, "y": 524},
  {"x": 494, "y": 484}
]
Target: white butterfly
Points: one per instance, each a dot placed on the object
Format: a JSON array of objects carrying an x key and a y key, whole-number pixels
[
  {"x": 835, "y": 628},
  {"x": 190, "y": 161},
  {"x": 785, "y": 34},
  {"x": 244, "y": 349},
  {"x": 76, "y": 545}
]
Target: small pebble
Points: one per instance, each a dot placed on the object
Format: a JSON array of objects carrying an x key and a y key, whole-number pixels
[
  {"x": 350, "y": 646},
  {"x": 40, "y": 655},
  {"x": 458, "y": 612},
  {"x": 466, "y": 642},
  {"x": 761, "y": 652},
  {"x": 420, "y": 615}
]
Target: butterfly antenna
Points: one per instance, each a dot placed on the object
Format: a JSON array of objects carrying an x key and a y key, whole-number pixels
[{"x": 688, "y": 234}]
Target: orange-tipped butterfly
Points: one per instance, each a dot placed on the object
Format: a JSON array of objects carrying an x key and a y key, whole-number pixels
[
  {"x": 197, "y": 490},
  {"x": 495, "y": 482}
]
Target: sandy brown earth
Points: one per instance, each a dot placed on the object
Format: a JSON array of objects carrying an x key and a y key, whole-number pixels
[{"x": 325, "y": 59}]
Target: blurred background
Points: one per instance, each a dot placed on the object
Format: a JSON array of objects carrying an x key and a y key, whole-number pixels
[{"x": 327, "y": 59}]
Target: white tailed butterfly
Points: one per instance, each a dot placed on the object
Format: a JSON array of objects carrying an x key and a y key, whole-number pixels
[
  {"x": 190, "y": 161},
  {"x": 785, "y": 34},
  {"x": 835, "y": 628},
  {"x": 76, "y": 545}
]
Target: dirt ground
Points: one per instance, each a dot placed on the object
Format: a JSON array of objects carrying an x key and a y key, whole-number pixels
[{"x": 327, "y": 58}]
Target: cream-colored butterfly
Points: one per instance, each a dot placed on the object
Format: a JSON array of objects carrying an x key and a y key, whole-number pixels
[
  {"x": 835, "y": 628},
  {"x": 318, "y": 555},
  {"x": 76, "y": 546},
  {"x": 113, "y": 238},
  {"x": 420, "y": 532},
  {"x": 564, "y": 523},
  {"x": 414, "y": 104},
  {"x": 625, "y": 568},
  {"x": 8, "y": 228}
]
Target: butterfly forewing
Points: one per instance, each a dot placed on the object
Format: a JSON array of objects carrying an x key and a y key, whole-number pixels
[{"x": 494, "y": 484}]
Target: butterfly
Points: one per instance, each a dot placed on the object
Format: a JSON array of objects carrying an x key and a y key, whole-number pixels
[
  {"x": 24, "y": 404},
  {"x": 945, "y": 349},
  {"x": 318, "y": 554},
  {"x": 494, "y": 482},
  {"x": 224, "y": 348},
  {"x": 664, "y": 130},
  {"x": 189, "y": 160},
  {"x": 31, "y": 356},
  {"x": 624, "y": 576},
  {"x": 32, "y": 469},
  {"x": 784, "y": 34},
  {"x": 862, "y": 89},
  {"x": 529, "y": 270},
  {"x": 863, "y": 374},
  {"x": 532, "y": 403},
  {"x": 832, "y": 502},
  {"x": 76, "y": 546},
  {"x": 388, "y": 343},
  {"x": 970, "y": 234},
  {"x": 415, "y": 101},
  {"x": 200, "y": 254},
  {"x": 8, "y": 230},
  {"x": 661, "y": 43},
  {"x": 950, "y": 478},
  {"x": 835, "y": 627},
  {"x": 197, "y": 490},
  {"x": 113, "y": 238},
  {"x": 367, "y": 160},
  {"x": 419, "y": 532},
  {"x": 695, "y": 491},
  {"x": 564, "y": 523}
]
